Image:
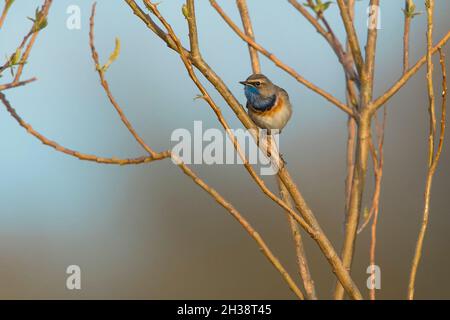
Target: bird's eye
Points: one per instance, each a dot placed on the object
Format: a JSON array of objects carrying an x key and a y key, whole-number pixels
[{"x": 257, "y": 83}]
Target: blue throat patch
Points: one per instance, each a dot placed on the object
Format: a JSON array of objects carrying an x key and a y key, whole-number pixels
[{"x": 257, "y": 101}]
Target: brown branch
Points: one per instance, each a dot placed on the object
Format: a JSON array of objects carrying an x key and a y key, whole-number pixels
[
  {"x": 376, "y": 197},
  {"x": 378, "y": 163},
  {"x": 105, "y": 86},
  {"x": 4, "y": 12},
  {"x": 278, "y": 62},
  {"x": 71, "y": 152},
  {"x": 193, "y": 34},
  {"x": 246, "y": 225},
  {"x": 351, "y": 142},
  {"x": 16, "y": 84},
  {"x": 351, "y": 35},
  {"x": 44, "y": 11},
  {"x": 352, "y": 101},
  {"x": 367, "y": 78},
  {"x": 7, "y": 63},
  {"x": 362, "y": 144},
  {"x": 302, "y": 261},
  {"x": 247, "y": 24},
  {"x": 434, "y": 156},
  {"x": 406, "y": 76},
  {"x": 406, "y": 37}
]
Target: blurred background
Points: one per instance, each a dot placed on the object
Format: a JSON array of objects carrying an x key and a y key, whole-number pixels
[{"x": 147, "y": 232}]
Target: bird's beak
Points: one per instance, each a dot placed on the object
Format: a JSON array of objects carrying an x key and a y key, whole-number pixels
[{"x": 243, "y": 83}]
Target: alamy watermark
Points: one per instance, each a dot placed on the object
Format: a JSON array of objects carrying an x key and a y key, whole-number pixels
[
  {"x": 214, "y": 146},
  {"x": 73, "y": 281},
  {"x": 374, "y": 280},
  {"x": 373, "y": 17}
]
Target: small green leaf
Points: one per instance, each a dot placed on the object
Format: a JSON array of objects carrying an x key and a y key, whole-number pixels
[
  {"x": 319, "y": 7},
  {"x": 410, "y": 11},
  {"x": 113, "y": 57},
  {"x": 185, "y": 11},
  {"x": 39, "y": 20},
  {"x": 15, "y": 58}
]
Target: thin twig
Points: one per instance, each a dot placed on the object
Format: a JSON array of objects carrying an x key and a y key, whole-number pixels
[
  {"x": 193, "y": 34},
  {"x": 71, "y": 152},
  {"x": 44, "y": 11},
  {"x": 247, "y": 24},
  {"x": 352, "y": 101},
  {"x": 4, "y": 12},
  {"x": 379, "y": 102},
  {"x": 351, "y": 35},
  {"x": 105, "y": 86},
  {"x": 363, "y": 135},
  {"x": 433, "y": 155},
  {"x": 16, "y": 84},
  {"x": 19, "y": 48},
  {"x": 246, "y": 225},
  {"x": 302, "y": 261},
  {"x": 378, "y": 163},
  {"x": 406, "y": 37}
]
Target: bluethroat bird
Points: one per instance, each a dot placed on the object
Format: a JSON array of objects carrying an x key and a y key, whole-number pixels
[{"x": 268, "y": 105}]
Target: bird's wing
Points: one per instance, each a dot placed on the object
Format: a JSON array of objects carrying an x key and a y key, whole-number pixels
[{"x": 284, "y": 92}]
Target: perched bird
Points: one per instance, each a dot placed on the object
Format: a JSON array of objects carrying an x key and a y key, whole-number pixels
[{"x": 268, "y": 105}]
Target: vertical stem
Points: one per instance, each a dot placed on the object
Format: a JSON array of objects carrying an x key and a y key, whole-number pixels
[
  {"x": 378, "y": 163},
  {"x": 351, "y": 34},
  {"x": 408, "y": 5},
  {"x": 433, "y": 159},
  {"x": 351, "y": 124},
  {"x": 302, "y": 261},
  {"x": 362, "y": 147},
  {"x": 246, "y": 22},
  {"x": 193, "y": 34},
  {"x": 357, "y": 188}
]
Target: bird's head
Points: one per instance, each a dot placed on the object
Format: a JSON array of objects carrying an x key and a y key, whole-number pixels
[{"x": 258, "y": 85}]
